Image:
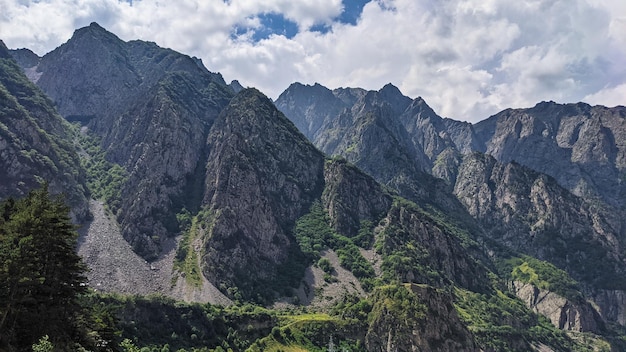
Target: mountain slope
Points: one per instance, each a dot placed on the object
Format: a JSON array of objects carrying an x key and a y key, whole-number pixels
[
  {"x": 530, "y": 213},
  {"x": 508, "y": 208},
  {"x": 581, "y": 146},
  {"x": 252, "y": 207},
  {"x": 36, "y": 144},
  {"x": 152, "y": 109},
  {"x": 261, "y": 176}
]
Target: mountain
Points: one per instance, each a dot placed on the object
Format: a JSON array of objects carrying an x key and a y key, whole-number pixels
[
  {"x": 36, "y": 143},
  {"x": 134, "y": 96},
  {"x": 577, "y": 144},
  {"x": 388, "y": 229},
  {"x": 261, "y": 176},
  {"x": 517, "y": 180},
  {"x": 530, "y": 212}
]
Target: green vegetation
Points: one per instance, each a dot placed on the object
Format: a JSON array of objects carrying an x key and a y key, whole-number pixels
[
  {"x": 43, "y": 278},
  {"x": 104, "y": 178},
  {"x": 365, "y": 236},
  {"x": 43, "y": 345},
  {"x": 501, "y": 322},
  {"x": 186, "y": 260},
  {"x": 308, "y": 332},
  {"x": 405, "y": 259},
  {"x": 45, "y": 307},
  {"x": 38, "y": 135},
  {"x": 397, "y": 301},
  {"x": 157, "y": 323},
  {"x": 314, "y": 234},
  {"x": 541, "y": 274}
]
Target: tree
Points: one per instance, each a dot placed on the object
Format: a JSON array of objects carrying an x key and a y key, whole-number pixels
[
  {"x": 41, "y": 275},
  {"x": 44, "y": 345}
]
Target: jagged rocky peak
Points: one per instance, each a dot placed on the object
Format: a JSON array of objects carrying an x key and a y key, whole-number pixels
[
  {"x": 389, "y": 97},
  {"x": 236, "y": 86},
  {"x": 152, "y": 108},
  {"x": 90, "y": 75},
  {"x": 262, "y": 174},
  {"x": 349, "y": 96},
  {"x": 97, "y": 76},
  {"x": 394, "y": 97},
  {"x": 26, "y": 58},
  {"x": 309, "y": 106},
  {"x": 577, "y": 144}
]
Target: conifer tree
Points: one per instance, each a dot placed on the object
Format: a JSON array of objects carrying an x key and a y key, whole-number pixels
[{"x": 41, "y": 275}]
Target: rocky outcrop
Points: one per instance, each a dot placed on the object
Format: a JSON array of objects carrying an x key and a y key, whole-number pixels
[
  {"x": 350, "y": 196},
  {"x": 529, "y": 212},
  {"x": 35, "y": 142},
  {"x": 579, "y": 145},
  {"x": 425, "y": 320},
  {"x": 384, "y": 134},
  {"x": 28, "y": 61},
  {"x": 310, "y": 107},
  {"x": 563, "y": 219},
  {"x": 417, "y": 249},
  {"x": 564, "y": 314},
  {"x": 611, "y": 304},
  {"x": 261, "y": 175}
]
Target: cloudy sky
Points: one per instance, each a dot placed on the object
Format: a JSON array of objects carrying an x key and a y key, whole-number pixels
[{"x": 467, "y": 58}]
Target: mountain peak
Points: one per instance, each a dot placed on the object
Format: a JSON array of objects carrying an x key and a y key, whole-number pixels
[
  {"x": 390, "y": 89},
  {"x": 4, "y": 51},
  {"x": 96, "y": 26},
  {"x": 94, "y": 30}
]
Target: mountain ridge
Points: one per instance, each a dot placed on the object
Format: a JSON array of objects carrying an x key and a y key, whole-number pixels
[{"x": 440, "y": 237}]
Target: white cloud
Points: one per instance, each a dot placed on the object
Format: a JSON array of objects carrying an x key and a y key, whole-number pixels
[
  {"x": 610, "y": 96},
  {"x": 467, "y": 58}
]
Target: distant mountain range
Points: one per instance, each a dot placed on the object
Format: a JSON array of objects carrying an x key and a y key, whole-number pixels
[{"x": 457, "y": 236}]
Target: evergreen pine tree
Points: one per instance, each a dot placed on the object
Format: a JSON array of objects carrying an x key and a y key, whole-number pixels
[{"x": 41, "y": 275}]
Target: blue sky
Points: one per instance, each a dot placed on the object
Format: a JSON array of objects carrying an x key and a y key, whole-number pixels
[
  {"x": 275, "y": 23},
  {"x": 467, "y": 58}
]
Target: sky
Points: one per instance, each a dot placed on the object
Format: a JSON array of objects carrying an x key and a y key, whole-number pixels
[{"x": 468, "y": 59}]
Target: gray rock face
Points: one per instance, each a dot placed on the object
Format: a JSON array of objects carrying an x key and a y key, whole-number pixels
[
  {"x": 261, "y": 175},
  {"x": 351, "y": 196},
  {"x": 581, "y": 146},
  {"x": 153, "y": 108},
  {"x": 573, "y": 219},
  {"x": 309, "y": 107},
  {"x": 436, "y": 327},
  {"x": 35, "y": 142},
  {"x": 611, "y": 305},
  {"x": 530, "y": 213},
  {"x": 429, "y": 248},
  {"x": 378, "y": 131},
  {"x": 563, "y": 313}
]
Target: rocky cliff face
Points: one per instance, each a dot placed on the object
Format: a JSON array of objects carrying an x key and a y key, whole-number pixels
[
  {"x": 530, "y": 213},
  {"x": 563, "y": 313},
  {"x": 381, "y": 133},
  {"x": 579, "y": 145},
  {"x": 236, "y": 177},
  {"x": 152, "y": 109},
  {"x": 425, "y": 320},
  {"x": 398, "y": 140},
  {"x": 261, "y": 175},
  {"x": 351, "y": 197},
  {"x": 35, "y": 142}
]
